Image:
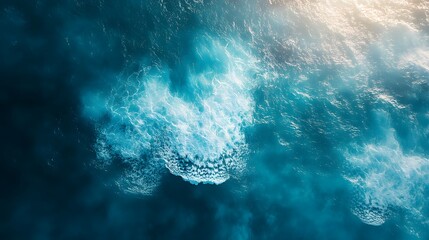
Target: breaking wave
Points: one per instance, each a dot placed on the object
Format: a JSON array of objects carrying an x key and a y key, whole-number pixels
[
  {"x": 197, "y": 132},
  {"x": 387, "y": 179}
]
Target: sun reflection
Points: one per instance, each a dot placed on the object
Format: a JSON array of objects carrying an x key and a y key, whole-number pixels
[{"x": 344, "y": 29}]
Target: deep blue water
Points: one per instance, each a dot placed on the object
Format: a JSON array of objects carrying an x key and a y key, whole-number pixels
[{"x": 203, "y": 119}]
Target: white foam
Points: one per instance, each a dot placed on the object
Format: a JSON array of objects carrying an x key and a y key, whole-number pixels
[
  {"x": 198, "y": 136},
  {"x": 386, "y": 178}
]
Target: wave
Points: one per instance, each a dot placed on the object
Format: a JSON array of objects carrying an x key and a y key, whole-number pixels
[
  {"x": 195, "y": 132},
  {"x": 385, "y": 178}
]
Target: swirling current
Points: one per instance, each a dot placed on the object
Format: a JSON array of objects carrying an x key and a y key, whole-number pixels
[{"x": 305, "y": 113}]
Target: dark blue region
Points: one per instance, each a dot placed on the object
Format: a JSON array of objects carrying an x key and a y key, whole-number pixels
[{"x": 52, "y": 51}]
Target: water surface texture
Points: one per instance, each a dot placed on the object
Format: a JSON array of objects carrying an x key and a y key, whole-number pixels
[{"x": 200, "y": 119}]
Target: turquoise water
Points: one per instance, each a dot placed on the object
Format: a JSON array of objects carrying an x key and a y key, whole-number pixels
[{"x": 239, "y": 119}]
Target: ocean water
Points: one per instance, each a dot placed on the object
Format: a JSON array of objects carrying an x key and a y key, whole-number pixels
[{"x": 200, "y": 119}]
